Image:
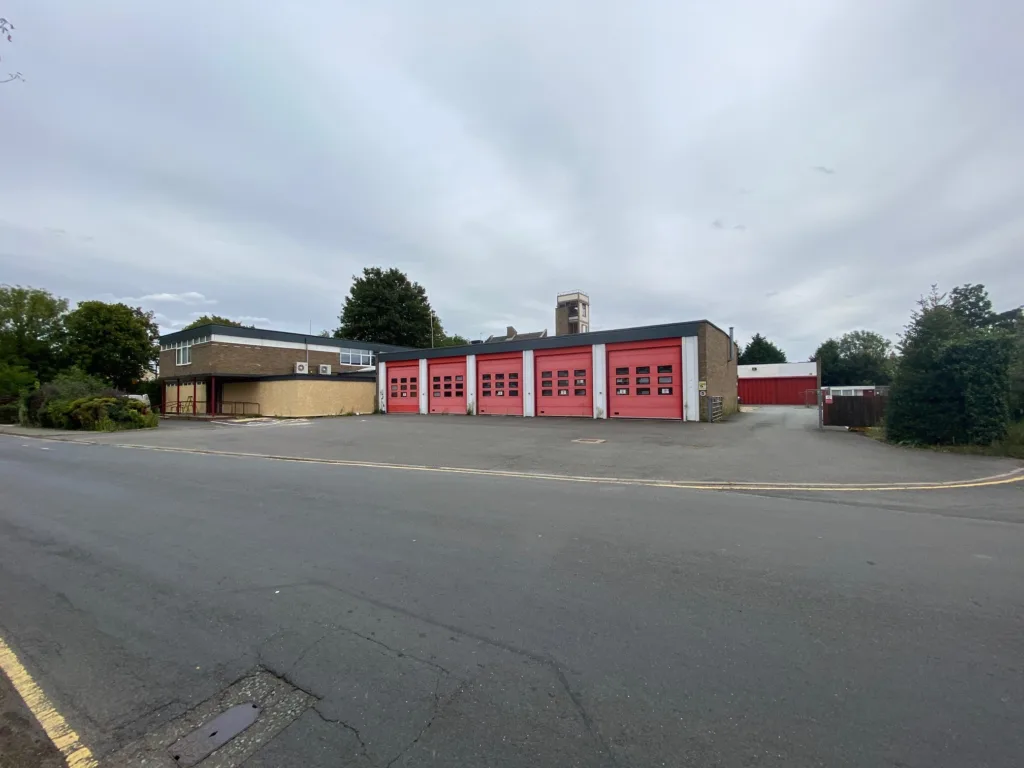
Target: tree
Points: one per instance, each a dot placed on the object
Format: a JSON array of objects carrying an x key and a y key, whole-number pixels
[
  {"x": 32, "y": 329},
  {"x": 112, "y": 341},
  {"x": 857, "y": 357},
  {"x": 953, "y": 378},
  {"x": 759, "y": 351},
  {"x": 971, "y": 304},
  {"x": 388, "y": 308},
  {"x": 5, "y": 35},
  {"x": 455, "y": 340},
  {"x": 215, "y": 320}
]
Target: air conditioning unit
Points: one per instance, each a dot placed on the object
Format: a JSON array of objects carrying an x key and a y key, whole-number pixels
[
  {"x": 325, "y": 370},
  {"x": 302, "y": 367}
]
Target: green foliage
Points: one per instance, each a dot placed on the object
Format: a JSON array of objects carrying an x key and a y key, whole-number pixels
[
  {"x": 858, "y": 357},
  {"x": 953, "y": 379},
  {"x": 450, "y": 341},
  {"x": 387, "y": 308},
  {"x": 113, "y": 341},
  {"x": 759, "y": 350},
  {"x": 14, "y": 379},
  {"x": 31, "y": 330},
  {"x": 66, "y": 387},
  {"x": 78, "y": 401},
  {"x": 215, "y": 320}
]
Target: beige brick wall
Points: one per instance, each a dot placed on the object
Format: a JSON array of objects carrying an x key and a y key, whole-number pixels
[
  {"x": 300, "y": 397},
  {"x": 717, "y": 369},
  {"x": 219, "y": 358}
]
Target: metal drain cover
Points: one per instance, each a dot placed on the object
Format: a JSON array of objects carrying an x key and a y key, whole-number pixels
[
  {"x": 196, "y": 746},
  {"x": 589, "y": 440}
]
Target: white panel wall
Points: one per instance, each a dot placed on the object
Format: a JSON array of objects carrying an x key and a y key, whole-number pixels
[
  {"x": 382, "y": 387},
  {"x": 600, "y": 380},
  {"x": 424, "y": 387},
  {"x": 529, "y": 400},
  {"x": 776, "y": 370},
  {"x": 471, "y": 384},
  {"x": 691, "y": 396}
]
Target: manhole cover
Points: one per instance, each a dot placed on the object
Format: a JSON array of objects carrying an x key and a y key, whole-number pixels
[
  {"x": 197, "y": 745},
  {"x": 589, "y": 440}
]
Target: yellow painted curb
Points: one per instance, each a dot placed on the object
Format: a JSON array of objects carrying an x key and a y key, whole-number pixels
[{"x": 64, "y": 738}]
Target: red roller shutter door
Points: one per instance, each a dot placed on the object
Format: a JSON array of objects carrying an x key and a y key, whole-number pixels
[
  {"x": 565, "y": 382},
  {"x": 645, "y": 380},
  {"x": 784, "y": 390},
  {"x": 403, "y": 387},
  {"x": 447, "y": 393},
  {"x": 499, "y": 388}
]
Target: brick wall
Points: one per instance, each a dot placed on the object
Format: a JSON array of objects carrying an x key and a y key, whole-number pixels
[
  {"x": 225, "y": 359},
  {"x": 715, "y": 367}
]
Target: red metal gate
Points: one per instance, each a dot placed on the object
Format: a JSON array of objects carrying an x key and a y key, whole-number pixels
[
  {"x": 645, "y": 380},
  {"x": 447, "y": 385},
  {"x": 403, "y": 387},
  {"x": 565, "y": 382},
  {"x": 499, "y": 384}
]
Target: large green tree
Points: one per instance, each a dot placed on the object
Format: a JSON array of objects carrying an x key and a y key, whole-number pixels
[
  {"x": 952, "y": 381},
  {"x": 215, "y": 320},
  {"x": 857, "y": 357},
  {"x": 759, "y": 350},
  {"x": 115, "y": 342},
  {"x": 32, "y": 330},
  {"x": 386, "y": 307}
]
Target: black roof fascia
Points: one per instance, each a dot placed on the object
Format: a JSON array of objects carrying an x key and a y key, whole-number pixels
[
  {"x": 616, "y": 336},
  {"x": 257, "y": 333},
  {"x": 227, "y": 377}
]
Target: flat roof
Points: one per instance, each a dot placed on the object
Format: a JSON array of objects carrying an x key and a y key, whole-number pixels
[
  {"x": 618, "y": 335},
  {"x": 262, "y": 333}
]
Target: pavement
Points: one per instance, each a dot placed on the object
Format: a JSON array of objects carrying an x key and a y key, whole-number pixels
[{"x": 385, "y": 617}]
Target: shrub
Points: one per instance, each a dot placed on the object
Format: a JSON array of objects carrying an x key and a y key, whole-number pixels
[
  {"x": 76, "y": 401},
  {"x": 9, "y": 413}
]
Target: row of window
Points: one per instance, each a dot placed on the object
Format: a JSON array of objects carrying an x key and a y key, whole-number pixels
[
  {"x": 643, "y": 390},
  {"x": 356, "y": 357},
  {"x": 563, "y": 393},
  {"x": 643, "y": 369}
]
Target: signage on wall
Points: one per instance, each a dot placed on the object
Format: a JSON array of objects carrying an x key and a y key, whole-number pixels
[
  {"x": 702, "y": 385},
  {"x": 703, "y": 393}
]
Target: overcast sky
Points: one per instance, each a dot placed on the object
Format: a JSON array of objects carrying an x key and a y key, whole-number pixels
[{"x": 794, "y": 167}]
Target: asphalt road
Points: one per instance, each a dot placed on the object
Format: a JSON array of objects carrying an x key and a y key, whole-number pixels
[{"x": 443, "y": 619}]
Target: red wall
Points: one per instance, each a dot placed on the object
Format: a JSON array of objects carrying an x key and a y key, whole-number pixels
[{"x": 786, "y": 390}]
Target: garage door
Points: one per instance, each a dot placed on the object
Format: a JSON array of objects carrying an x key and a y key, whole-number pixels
[
  {"x": 447, "y": 385},
  {"x": 403, "y": 389},
  {"x": 645, "y": 382},
  {"x": 499, "y": 384},
  {"x": 565, "y": 385},
  {"x": 786, "y": 390}
]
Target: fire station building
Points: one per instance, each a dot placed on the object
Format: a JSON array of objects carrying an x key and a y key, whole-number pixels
[{"x": 685, "y": 371}]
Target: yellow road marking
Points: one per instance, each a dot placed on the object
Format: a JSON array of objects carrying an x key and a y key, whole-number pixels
[
  {"x": 64, "y": 738},
  {"x": 1014, "y": 476}
]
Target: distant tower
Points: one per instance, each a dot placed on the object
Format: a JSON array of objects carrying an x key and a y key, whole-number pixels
[{"x": 572, "y": 313}]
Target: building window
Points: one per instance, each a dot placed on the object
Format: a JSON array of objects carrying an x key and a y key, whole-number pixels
[
  {"x": 183, "y": 353},
  {"x": 362, "y": 357}
]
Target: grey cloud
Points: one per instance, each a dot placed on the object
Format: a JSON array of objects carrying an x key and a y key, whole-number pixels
[{"x": 503, "y": 152}]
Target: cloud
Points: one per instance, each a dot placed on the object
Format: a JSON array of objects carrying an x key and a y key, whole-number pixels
[
  {"x": 188, "y": 297},
  {"x": 503, "y": 152}
]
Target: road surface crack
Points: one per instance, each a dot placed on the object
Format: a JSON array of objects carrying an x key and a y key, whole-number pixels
[{"x": 347, "y": 727}]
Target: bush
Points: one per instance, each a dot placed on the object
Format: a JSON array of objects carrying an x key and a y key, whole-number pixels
[
  {"x": 77, "y": 401},
  {"x": 9, "y": 413}
]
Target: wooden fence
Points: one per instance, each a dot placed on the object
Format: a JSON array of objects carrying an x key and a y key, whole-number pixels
[{"x": 854, "y": 411}]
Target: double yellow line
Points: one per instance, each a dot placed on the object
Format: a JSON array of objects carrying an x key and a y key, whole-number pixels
[{"x": 61, "y": 734}]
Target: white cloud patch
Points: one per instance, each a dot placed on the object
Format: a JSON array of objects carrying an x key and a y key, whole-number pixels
[{"x": 502, "y": 152}]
